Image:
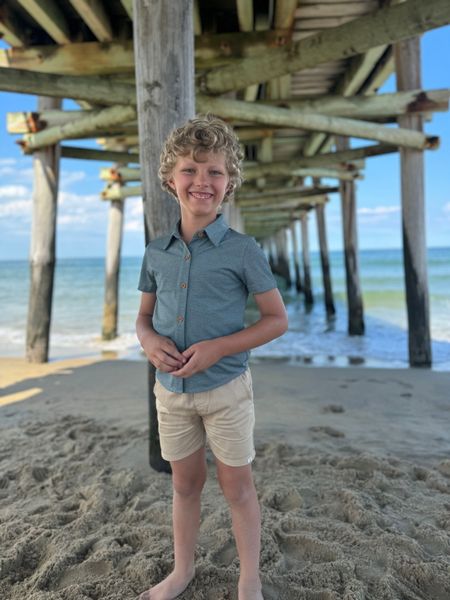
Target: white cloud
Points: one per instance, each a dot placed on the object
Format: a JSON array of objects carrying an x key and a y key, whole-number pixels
[
  {"x": 379, "y": 210},
  {"x": 16, "y": 208},
  {"x": 446, "y": 208},
  {"x": 14, "y": 191},
  {"x": 7, "y": 161},
  {"x": 71, "y": 219},
  {"x": 135, "y": 225},
  {"x": 69, "y": 177},
  {"x": 72, "y": 198}
]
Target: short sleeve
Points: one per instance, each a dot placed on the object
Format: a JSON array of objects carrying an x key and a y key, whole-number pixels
[
  {"x": 257, "y": 273},
  {"x": 147, "y": 282}
]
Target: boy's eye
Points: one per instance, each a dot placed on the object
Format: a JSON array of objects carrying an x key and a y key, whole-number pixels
[{"x": 216, "y": 173}]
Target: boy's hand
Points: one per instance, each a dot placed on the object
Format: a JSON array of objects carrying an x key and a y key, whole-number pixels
[
  {"x": 162, "y": 353},
  {"x": 199, "y": 356}
]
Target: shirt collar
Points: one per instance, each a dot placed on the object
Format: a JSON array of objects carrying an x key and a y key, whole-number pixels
[{"x": 215, "y": 231}]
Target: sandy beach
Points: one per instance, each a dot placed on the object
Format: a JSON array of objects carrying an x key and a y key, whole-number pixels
[{"x": 352, "y": 471}]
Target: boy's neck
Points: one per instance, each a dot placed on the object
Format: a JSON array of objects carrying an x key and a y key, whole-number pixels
[{"x": 188, "y": 227}]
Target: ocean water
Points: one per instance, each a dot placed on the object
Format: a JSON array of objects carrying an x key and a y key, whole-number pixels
[{"x": 311, "y": 339}]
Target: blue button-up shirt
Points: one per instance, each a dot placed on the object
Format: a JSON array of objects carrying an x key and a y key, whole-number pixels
[{"x": 201, "y": 293}]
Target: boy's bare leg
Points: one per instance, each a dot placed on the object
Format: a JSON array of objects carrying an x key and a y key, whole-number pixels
[
  {"x": 239, "y": 491},
  {"x": 188, "y": 478}
]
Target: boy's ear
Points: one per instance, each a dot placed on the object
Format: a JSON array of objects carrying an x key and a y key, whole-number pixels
[{"x": 171, "y": 184}]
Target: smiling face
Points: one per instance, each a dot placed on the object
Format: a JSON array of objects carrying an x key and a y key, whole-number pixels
[{"x": 200, "y": 186}]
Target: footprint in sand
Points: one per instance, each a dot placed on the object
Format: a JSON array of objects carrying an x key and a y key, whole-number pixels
[
  {"x": 300, "y": 549},
  {"x": 225, "y": 555},
  {"x": 79, "y": 574},
  {"x": 282, "y": 499}
]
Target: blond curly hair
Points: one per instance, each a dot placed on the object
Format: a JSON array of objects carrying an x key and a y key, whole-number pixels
[{"x": 203, "y": 133}]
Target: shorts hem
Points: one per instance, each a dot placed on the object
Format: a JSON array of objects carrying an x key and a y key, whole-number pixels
[
  {"x": 174, "y": 458},
  {"x": 229, "y": 462}
]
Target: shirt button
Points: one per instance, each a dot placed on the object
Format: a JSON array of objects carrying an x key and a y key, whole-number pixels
[
  {"x": 187, "y": 257},
  {"x": 180, "y": 319},
  {"x": 201, "y": 234},
  {"x": 183, "y": 285}
]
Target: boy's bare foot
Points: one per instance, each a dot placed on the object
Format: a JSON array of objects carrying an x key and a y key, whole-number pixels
[
  {"x": 250, "y": 590},
  {"x": 169, "y": 588}
]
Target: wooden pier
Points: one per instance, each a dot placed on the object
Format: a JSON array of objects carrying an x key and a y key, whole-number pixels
[{"x": 297, "y": 80}]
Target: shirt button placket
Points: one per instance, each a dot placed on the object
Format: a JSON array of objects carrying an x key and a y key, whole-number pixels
[{"x": 183, "y": 296}]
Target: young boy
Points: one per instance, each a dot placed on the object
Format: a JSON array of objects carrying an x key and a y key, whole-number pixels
[{"x": 194, "y": 284}]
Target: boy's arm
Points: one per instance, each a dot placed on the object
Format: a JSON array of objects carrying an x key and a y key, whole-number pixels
[
  {"x": 160, "y": 350},
  {"x": 272, "y": 323}
]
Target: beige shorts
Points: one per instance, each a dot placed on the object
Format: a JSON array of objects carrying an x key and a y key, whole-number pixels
[{"x": 224, "y": 415}]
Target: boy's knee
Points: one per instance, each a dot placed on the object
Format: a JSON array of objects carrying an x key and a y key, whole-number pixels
[
  {"x": 187, "y": 487},
  {"x": 237, "y": 493}
]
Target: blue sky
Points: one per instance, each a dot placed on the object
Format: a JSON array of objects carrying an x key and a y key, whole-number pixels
[{"x": 83, "y": 217}]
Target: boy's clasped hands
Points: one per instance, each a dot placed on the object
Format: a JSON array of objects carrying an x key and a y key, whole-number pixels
[{"x": 163, "y": 353}]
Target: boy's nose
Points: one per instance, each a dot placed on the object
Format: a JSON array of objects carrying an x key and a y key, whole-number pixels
[{"x": 201, "y": 179}]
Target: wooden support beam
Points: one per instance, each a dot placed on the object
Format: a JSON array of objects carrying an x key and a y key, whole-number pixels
[
  {"x": 120, "y": 192},
  {"x": 375, "y": 107},
  {"x": 281, "y": 264},
  {"x": 11, "y": 30},
  {"x": 318, "y": 161},
  {"x": 94, "y": 15},
  {"x": 112, "y": 270},
  {"x": 285, "y": 13},
  {"x": 99, "y": 58},
  {"x": 295, "y": 251},
  {"x": 407, "y": 59},
  {"x": 108, "y": 117},
  {"x": 282, "y": 117},
  {"x": 280, "y": 169},
  {"x": 385, "y": 26},
  {"x": 308, "y": 165},
  {"x": 50, "y": 17},
  {"x": 163, "y": 34},
  {"x": 197, "y": 19},
  {"x": 324, "y": 258},
  {"x": 43, "y": 243},
  {"x": 124, "y": 174},
  {"x": 275, "y": 203},
  {"x": 94, "y": 89},
  {"x": 284, "y": 192},
  {"x": 350, "y": 234},
  {"x": 128, "y": 6},
  {"x": 307, "y": 287},
  {"x": 100, "y": 155}
]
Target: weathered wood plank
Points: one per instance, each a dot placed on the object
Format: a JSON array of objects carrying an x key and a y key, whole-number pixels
[
  {"x": 100, "y": 155},
  {"x": 324, "y": 257},
  {"x": 385, "y": 26},
  {"x": 11, "y": 30},
  {"x": 295, "y": 251},
  {"x": 307, "y": 284},
  {"x": 407, "y": 60},
  {"x": 94, "y": 89},
  {"x": 350, "y": 235},
  {"x": 112, "y": 270},
  {"x": 94, "y": 15},
  {"x": 101, "y": 58},
  {"x": 282, "y": 117},
  {"x": 163, "y": 34},
  {"x": 43, "y": 242},
  {"x": 284, "y": 192},
  {"x": 379, "y": 106},
  {"x": 103, "y": 119},
  {"x": 50, "y": 17}
]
